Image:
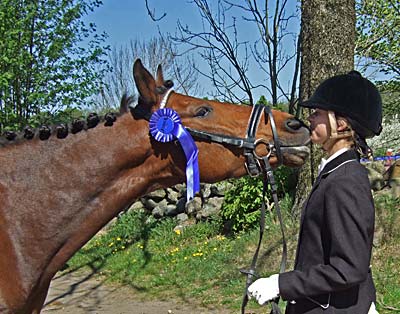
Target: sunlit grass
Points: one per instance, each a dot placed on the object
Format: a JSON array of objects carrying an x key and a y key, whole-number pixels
[
  {"x": 386, "y": 257},
  {"x": 200, "y": 264}
]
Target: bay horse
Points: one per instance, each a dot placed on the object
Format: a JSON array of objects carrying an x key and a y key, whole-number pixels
[{"x": 57, "y": 192}]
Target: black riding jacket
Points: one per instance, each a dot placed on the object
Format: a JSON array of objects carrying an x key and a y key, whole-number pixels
[{"x": 332, "y": 268}]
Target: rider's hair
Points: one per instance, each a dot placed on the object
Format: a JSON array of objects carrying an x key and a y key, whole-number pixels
[{"x": 357, "y": 141}]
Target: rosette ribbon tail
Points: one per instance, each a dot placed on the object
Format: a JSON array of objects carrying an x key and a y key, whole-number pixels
[
  {"x": 165, "y": 125},
  {"x": 192, "y": 165}
]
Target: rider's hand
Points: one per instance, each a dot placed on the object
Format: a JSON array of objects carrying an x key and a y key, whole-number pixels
[{"x": 264, "y": 289}]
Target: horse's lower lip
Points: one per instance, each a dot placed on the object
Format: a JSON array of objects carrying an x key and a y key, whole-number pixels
[
  {"x": 299, "y": 151},
  {"x": 296, "y": 149}
]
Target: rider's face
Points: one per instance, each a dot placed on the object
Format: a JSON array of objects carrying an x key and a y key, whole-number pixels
[{"x": 319, "y": 125}]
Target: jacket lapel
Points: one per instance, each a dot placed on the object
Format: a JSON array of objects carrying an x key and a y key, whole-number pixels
[{"x": 329, "y": 167}]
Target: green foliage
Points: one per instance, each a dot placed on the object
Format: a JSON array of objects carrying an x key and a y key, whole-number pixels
[
  {"x": 61, "y": 116},
  {"x": 49, "y": 58},
  {"x": 378, "y": 37},
  {"x": 242, "y": 203},
  {"x": 380, "y": 152},
  {"x": 390, "y": 92},
  {"x": 279, "y": 106},
  {"x": 378, "y": 31},
  {"x": 263, "y": 101}
]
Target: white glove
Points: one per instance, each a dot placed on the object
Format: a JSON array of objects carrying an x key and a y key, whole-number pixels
[{"x": 264, "y": 289}]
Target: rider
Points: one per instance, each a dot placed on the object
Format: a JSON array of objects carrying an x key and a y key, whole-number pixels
[{"x": 332, "y": 266}]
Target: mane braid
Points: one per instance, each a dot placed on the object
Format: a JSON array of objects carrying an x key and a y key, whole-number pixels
[{"x": 61, "y": 130}]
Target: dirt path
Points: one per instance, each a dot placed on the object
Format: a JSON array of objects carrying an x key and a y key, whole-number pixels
[{"x": 86, "y": 293}]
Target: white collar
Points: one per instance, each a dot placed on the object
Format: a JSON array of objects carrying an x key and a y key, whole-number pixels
[{"x": 324, "y": 161}]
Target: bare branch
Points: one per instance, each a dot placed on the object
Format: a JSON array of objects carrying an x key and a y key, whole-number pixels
[
  {"x": 152, "y": 13},
  {"x": 231, "y": 54}
]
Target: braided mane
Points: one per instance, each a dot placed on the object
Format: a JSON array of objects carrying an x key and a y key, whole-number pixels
[{"x": 62, "y": 130}]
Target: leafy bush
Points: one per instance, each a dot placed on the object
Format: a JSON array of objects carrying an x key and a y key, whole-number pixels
[{"x": 242, "y": 203}]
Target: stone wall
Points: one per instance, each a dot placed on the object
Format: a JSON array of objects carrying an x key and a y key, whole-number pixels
[
  {"x": 171, "y": 202},
  {"x": 383, "y": 179}
]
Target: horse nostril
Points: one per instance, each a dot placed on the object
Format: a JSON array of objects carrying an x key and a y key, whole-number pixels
[{"x": 294, "y": 124}]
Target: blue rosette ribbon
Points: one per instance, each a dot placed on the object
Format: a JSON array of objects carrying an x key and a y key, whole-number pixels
[{"x": 165, "y": 126}]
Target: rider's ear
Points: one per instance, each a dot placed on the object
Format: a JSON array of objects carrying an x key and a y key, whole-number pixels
[
  {"x": 145, "y": 84},
  {"x": 342, "y": 124}
]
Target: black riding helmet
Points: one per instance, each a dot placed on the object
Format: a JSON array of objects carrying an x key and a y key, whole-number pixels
[{"x": 353, "y": 97}]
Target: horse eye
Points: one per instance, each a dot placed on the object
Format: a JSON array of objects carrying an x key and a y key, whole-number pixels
[{"x": 202, "y": 112}]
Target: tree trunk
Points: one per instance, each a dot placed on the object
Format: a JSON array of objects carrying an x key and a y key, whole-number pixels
[{"x": 327, "y": 49}]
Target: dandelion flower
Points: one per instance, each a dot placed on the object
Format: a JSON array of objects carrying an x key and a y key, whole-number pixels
[{"x": 178, "y": 231}]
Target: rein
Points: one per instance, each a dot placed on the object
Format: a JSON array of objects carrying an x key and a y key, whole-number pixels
[{"x": 255, "y": 165}]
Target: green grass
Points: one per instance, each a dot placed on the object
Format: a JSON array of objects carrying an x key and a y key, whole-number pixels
[
  {"x": 197, "y": 265},
  {"x": 386, "y": 255},
  {"x": 200, "y": 265}
]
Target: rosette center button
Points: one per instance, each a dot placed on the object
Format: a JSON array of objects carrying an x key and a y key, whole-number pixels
[{"x": 165, "y": 125}]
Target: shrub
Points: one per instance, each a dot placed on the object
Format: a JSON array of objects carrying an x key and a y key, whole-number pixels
[{"x": 242, "y": 203}]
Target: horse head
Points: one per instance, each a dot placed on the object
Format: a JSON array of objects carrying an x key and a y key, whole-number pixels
[
  {"x": 57, "y": 190},
  {"x": 222, "y": 160}
]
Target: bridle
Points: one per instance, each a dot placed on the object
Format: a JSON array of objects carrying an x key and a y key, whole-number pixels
[{"x": 255, "y": 165}]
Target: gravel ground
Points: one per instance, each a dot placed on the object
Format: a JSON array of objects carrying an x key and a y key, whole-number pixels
[{"x": 86, "y": 293}]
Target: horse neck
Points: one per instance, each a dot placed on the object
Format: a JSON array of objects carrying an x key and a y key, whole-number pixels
[{"x": 57, "y": 190}]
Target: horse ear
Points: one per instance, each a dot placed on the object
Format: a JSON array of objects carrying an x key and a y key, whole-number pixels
[
  {"x": 145, "y": 84},
  {"x": 160, "y": 76}
]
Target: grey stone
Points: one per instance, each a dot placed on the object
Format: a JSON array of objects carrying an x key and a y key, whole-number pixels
[
  {"x": 221, "y": 188},
  {"x": 138, "y": 205},
  {"x": 193, "y": 206},
  {"x": 375, "y": 179},
  {"x": 172, "y": 195},
  {"x": 182, "y": 217},
  {"x": 157, "y": 195},
  {"x": 173, "y": 210},
  {"x": 395, "y": 187},
  {"x": 161, "y": 209},
  {"x": 215, "y": 202},
  {"x": 181, "y": 205},
  {"x": 206, "y": 190},
  {"x": 212, "y": 207},
  {"x": 157, "y": 212},
  {"x": 149, "y": 203},
  {"x": 180, "y": 188}
]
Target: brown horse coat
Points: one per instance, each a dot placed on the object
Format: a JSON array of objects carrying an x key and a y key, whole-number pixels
[{"x": 55, "y": 194}]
